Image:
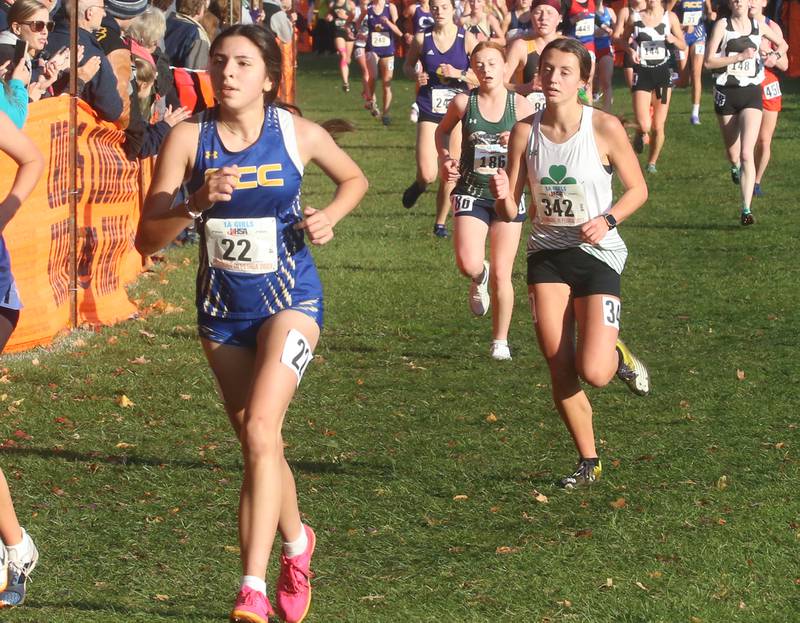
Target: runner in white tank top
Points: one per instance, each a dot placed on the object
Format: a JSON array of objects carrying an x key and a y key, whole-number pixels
[{"x": 575, "y": 256}]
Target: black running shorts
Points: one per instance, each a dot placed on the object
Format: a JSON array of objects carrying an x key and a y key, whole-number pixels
[
  {"x": 733, "y": 100},
  {"x": 583, "y": 273}
]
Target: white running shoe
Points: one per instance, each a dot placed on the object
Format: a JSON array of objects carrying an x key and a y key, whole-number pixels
[
  {"x": 479, "y": 299},
  {"x": 414, "y": 116},
  {"x": 500, "y": 352},
  {"x": 18, "y": 573},
  {"x": 3, "y": 567}
]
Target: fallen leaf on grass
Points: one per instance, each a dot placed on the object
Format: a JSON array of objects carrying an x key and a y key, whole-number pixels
[
  {"x": 160, "y": 597},
  {"x": 4, "y": 379},
  {"x": 21, "y": 434},
  {"x": 185, "y": 396},
  {"x": 140, "y": 360},
  {"x": 505, "y": 549},
  {"x": 609, "y": 583},
  {"x": 58, "y": 491},
  {"x": 123, "y": 445},
  {"x": 460, "y": 498},
  {"x": 34, "y": 362},
  {"x": 144, "y": 333},
  {"x": 372, "y": 597},
  {"x": 740, "y": 374},
  {"x": 655, "y": 574},
  {"x": 539, "y": 497},
  {"x": 618, "y": 503},
  {"x": 233, "y": 549},
  {"x": 566, "y": 603},
  {"x": 584, "y": 534},
  {"x": 642, "y": 586},
  {"x": 491, "y": 418},
  {"x": 124, "y": 402},
  {"x": 722, "y": 482}
]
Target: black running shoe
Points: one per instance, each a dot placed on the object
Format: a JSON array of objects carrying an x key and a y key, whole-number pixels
[
  {"x": 736, "y": 175},
  {"x": 638, "y": 143},
  {"x": 386, "y": 120},
  {"x": 587, "y": 473},
  {"x": 411, "y": 194},
  {"x": 440, "y": 231},
  {"x": 747, "y": 218}
]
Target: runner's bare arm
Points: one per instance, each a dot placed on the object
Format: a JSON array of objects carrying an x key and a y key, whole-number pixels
[
  {"x": 508, "y": 184},
  {"x": 160, "y": 223},
  {"x": 317, "y": 146},
  {"x": 613, "y": 145},
  {"x": 30, "y": 163}
]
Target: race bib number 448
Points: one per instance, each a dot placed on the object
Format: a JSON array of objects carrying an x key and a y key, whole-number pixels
[{"x": 242, "y": 245}]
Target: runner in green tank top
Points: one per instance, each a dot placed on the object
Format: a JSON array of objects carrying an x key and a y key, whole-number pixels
[{"x": 483, "y": 151}]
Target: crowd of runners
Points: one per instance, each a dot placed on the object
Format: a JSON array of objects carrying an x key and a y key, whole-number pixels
[{"x": 514, "y": 115}]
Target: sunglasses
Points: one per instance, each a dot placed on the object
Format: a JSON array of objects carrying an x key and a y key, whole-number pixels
[{"x": 39, "y": 26}]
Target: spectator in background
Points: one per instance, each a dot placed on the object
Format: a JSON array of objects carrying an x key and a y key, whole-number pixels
[
  {"x": 100, "y": 91},
  {"x": 29, "y": 20},
  {"x": 186, "y": 41},
  {"x": 153, "y": 134},
  {"x": 119, "y": 14},
  {"x": 5, "y": 6},
  {"x": 147, "y": 29}
]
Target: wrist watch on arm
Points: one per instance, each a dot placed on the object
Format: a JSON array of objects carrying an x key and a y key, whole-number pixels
[{"x": 610, "y": 221}]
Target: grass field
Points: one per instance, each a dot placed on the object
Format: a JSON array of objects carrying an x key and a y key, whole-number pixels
[{"x": 426, "y": 467}]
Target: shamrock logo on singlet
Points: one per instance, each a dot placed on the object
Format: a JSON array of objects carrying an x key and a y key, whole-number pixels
[{"x": 558, "y": 175}]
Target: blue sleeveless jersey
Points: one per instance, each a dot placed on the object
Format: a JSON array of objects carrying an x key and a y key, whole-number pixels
[
  {"x": 421, "y": 20},
  {"x": 381, "y": 39},
  {"x": 603, "y": 19},
  {"x": 433, "y": 97},
  {"x": 253, "y": 263}
]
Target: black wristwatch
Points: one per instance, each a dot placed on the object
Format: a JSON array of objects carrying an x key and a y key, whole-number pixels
[{"x": 610, "y": 221}]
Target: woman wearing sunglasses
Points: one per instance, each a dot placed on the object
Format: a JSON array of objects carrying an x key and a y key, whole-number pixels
[{"x": 29, "y": 21}]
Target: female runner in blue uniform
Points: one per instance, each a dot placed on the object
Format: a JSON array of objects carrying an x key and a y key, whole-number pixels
[
  {"x": 690, "y": 15},
  {"x": 382, "y": 26},
  {"x": 259, "y": 298},
  {"x": 566, "y": 154},
  {"x": 439, "y": 62},
  {"x": 18, "y": 554}
]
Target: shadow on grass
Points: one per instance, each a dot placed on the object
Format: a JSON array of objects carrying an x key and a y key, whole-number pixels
[
  {"x": 684, "y": 226},
  {"x": 345, "y": 468},
  {"x": 156, "y": 612}
]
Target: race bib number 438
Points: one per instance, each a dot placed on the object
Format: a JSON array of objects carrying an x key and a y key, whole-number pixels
[{"x": 242, "y": 245}]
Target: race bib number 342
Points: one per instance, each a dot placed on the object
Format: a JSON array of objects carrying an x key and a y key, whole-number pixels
[
  {"x": 561, "y": 205},
  {"x": 242, "y": 245}
]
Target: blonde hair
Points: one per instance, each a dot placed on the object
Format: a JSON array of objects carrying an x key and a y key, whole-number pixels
[{"x": 148, "y": 28}]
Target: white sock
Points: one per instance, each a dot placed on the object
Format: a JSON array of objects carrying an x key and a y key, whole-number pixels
[
  {"x": 22, "y": 551},
  {"x": 500, "y": 342},
  {"x": 696, "y": 110},
  {"x": 254, "y": 582},
  {"x": 296, "y": 547}
]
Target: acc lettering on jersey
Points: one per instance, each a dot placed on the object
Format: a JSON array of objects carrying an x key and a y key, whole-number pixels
[{"x": 255, "y": 176}]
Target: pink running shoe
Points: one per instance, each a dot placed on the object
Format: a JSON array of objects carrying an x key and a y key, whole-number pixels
[
  {"x": 294, "y": 586},
  {"x": 251, "y": 607}
]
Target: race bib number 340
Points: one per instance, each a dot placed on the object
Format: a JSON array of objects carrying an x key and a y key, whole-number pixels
[{"x": 242, "y": 245}]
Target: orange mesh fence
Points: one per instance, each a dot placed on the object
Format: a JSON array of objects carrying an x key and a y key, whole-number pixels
[{"x": 38, "y": 237}]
